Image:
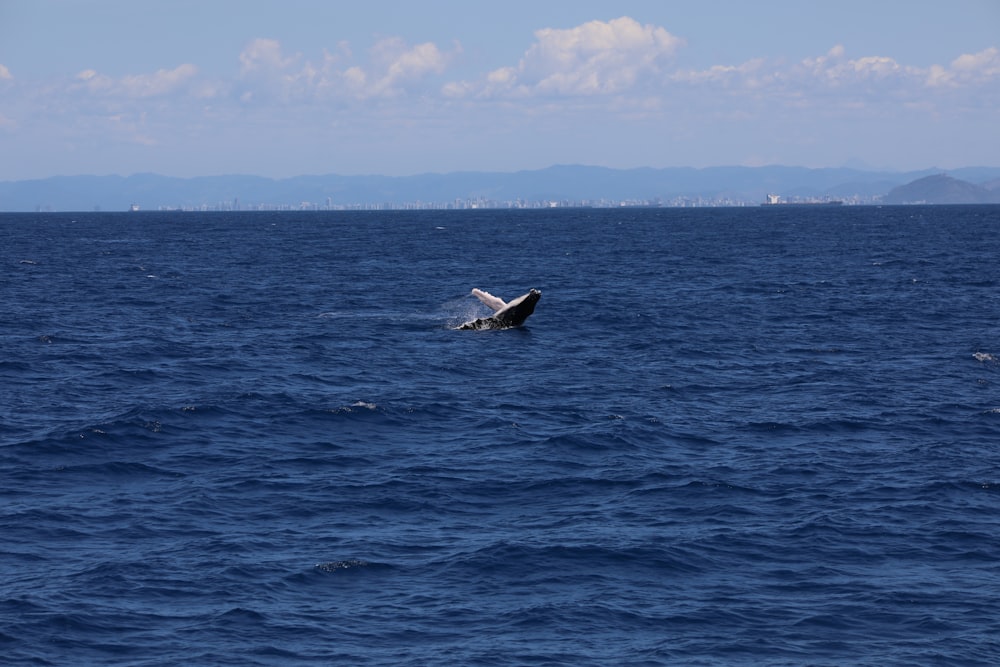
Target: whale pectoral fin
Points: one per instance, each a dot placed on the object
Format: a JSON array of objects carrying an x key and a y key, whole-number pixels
[{"x": 491, "y": 301}]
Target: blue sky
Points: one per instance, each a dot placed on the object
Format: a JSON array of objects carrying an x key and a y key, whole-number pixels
[{"x": 190, "y": 88}]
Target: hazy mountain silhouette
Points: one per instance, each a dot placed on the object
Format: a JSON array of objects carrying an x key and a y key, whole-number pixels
[
  {"x": 561, "y": 183},
  {"x": 942, "y": 189}
]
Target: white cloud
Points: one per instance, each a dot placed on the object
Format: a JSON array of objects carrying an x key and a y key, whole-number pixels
[
  {"x": 968, "y": 68},
  {"x": 266, "y": 72},
  {"x": 457, "y": 89},
  {"x": 595, "y": 58},
  {"x": 875, "y": 66},
  {"x": 836, "y": 80},
  {"x": 604, "y": 59},
  {"x": 592, "y": 80},
  {"x": 264, "y": 55},
  {"x": 985, "y": 63},
  {"x": 821, "y": 66},
  {"x": 751, "y": 74},
  {"x": 161, "y": 82},
  {"x": 394, "y": 67},
  {"x": 620, "y": 63},
  {"x": 834, "y": 69}
]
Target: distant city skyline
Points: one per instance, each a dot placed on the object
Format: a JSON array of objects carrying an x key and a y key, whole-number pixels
[
  {"x": 552, "y": 187},
  {"x": 188, "y": 88}
]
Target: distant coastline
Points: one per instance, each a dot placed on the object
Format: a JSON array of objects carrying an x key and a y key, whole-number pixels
[{"x": 557, "y": 186}]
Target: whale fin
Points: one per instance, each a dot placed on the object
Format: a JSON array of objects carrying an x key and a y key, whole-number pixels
[
  {"x": 495, "y": 303},
  {"x": 511, "y": 315}
]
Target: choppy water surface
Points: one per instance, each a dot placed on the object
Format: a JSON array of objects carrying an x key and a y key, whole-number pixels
[{"x": 726, "y": 436}]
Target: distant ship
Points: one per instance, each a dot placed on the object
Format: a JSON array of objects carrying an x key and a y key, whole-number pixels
[
  {"x": 775, "y": 200},
  {"x": 133, "y": 208}
]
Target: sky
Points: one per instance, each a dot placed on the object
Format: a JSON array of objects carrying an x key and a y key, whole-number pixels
[{"x": 208, "y": 87}]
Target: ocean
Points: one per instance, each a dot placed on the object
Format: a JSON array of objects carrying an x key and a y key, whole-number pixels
[{"x": 743, "y": 436}]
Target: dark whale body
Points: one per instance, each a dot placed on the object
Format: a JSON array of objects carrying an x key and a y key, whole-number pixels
[{"x": 508, "y": 315}]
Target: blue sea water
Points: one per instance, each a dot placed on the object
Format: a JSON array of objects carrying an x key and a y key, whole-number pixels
[{"x": 763, "y": 436}]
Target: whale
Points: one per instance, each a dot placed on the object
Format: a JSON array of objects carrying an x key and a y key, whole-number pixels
[{"x": 505, "y": 315}]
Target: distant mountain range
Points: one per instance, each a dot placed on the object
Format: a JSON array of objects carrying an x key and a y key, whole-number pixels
[
  {"x": 557, "y": 184},
  {"x": 943, "y": 189}
]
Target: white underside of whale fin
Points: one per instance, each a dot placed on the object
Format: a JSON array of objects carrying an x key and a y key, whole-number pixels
[{"x": 495, "y": 303}]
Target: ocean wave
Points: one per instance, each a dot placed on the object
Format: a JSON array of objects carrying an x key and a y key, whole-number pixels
[{"x": 709, "y": 446}]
